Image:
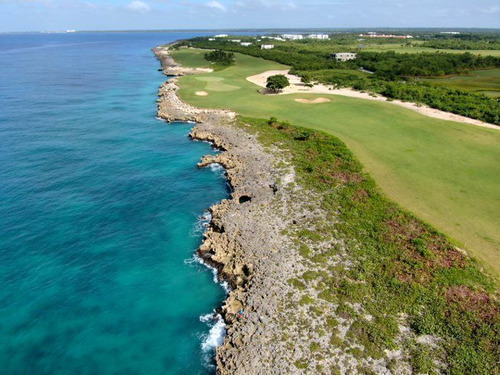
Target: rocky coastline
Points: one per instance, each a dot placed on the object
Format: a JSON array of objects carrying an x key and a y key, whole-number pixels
[
  {"x": 262, "y": 242},
  {"x": 244, "y": 241}
]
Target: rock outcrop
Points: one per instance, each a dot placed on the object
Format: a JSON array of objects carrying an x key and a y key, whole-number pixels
[
  {"x": 244, "y": 240},
  {"x": 276, "y": 324},
  {"x": 170, "y": 67}
]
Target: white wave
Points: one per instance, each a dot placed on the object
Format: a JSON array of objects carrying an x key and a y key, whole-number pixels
[
  {"x": 201, "y": 224},
  {"x": 215, "y": 336},
  {"x": 207, "y": 317},
  {"x": 216, "y": 167},
  {"x": 215, "y": 273}
]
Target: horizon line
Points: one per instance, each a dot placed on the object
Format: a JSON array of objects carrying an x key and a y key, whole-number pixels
[{"x": 430, "y": 28}]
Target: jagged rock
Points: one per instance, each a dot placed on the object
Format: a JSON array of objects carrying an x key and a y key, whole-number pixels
[{"x": 248, "y": 244}]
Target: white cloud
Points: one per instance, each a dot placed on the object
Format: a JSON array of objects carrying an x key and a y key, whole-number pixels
[
  {"x": 139, "y": 6},
  {"x": 216, "y": 5}
]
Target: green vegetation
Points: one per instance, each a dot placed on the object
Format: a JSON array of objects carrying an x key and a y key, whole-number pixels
[
  {"x": 220, "y": 57},
  {"x": 479, "y": 81},
  {"x": 392, "y": 66},
  {"x": 194, "y": 58},
  {"x": 445, "y": 172},
  {"x": 387, "y": 65},
  {"x": 401, "y": 265},
  {"x": 465, "y": 42},
  {"x": 394, "y": 73},
  {"x": 445, "y": 99},
  {"x": 417, "y": 48},
  {"x": 277, "y": 83}
]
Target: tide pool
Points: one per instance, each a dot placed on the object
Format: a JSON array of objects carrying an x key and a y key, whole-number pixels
[{"x": 100, "y": 212}]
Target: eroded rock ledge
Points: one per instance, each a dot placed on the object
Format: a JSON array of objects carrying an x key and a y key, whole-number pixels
[
  {"x": 244, "y": 240},
  {"x": 170, "y": 67},
  {"x": 276, "y": 324}
]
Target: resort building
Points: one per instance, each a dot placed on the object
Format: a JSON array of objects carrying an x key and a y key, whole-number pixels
[
  {"x": 235, "y": 40},
  {"x": 211, "y": 39},
  {"x": 246, "y": 44},
  {"x": 221, "y": 36},
  {"x": 267, "y": 46},
  {"x": 343, "y": 56},
  {"x": 318, "y": 36},
  {"x": 292, "y": 36},
  {"x": 375, "y": 35}
]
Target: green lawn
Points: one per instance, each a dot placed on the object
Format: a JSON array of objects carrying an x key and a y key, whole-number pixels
[
  {"x": 192, "y": 57},
  {"x": 481, "y": 81},
  {"x": 401, "y": 48},
  {"x": 445, "y": 172}
]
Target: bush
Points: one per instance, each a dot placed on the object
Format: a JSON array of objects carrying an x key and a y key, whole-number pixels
[{"x": 277, "y": 82}]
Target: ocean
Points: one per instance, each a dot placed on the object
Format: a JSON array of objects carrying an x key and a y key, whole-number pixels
[{"x": 101, "y": 212}]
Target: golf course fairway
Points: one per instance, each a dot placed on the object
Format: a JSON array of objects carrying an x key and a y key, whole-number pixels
[{"x": 446, "y": 173}]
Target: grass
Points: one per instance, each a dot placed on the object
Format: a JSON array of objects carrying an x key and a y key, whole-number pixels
[
  {"x": 444, "y": 172},
  {"x": 194, "y": 58},
  {"x": 398, "y": 265},
  {"x": 401, "y": 48},
  {"x": 480, "y": 81}
]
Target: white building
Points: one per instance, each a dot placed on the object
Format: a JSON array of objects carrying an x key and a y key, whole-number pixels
[
  {"x": 235, "y": 40},
  {"x": 267, "y": 46},
  {"x": 211, "y": 39},
  {"x": 375, "y": 35},
  {"x": 292, "y": 36},
  {"x": 246, "y": 44},
  {"x": 343, "y": 56},
  {"x": 318, "y": 36},
  {"x": 221, "y": 36}
]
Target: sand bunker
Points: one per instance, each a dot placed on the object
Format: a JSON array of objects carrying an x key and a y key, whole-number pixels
[
  {"x": 261, "y": 79},
  {"x": 201, "y": 93},
  {"x": 297, "y": 87},
  {"x": 313, "y": 101}
]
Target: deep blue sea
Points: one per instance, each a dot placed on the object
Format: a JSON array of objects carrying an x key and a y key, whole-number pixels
[{"x": 100, "y": 207}]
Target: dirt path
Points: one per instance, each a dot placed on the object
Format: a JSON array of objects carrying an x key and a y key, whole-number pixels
[{"x": 297, "y": 87}]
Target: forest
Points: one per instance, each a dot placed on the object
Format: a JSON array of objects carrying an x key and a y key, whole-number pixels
[{"x": 464, "y": 41}]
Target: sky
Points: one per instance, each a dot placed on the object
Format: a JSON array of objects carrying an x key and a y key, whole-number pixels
[{"x": 51, "y": 15}]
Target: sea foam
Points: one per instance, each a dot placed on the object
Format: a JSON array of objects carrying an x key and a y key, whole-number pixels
[{"x": 215, "y": 336}]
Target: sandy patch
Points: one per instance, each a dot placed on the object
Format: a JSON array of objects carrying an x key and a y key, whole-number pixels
[
  {"x": 296, "y": 86},
  {"x": 201, "y": 93},
  {"x": 261, "y": 79},
  {"x": 314, "y": 101}
]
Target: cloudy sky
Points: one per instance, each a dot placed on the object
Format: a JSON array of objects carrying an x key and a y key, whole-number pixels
[{"x": 39, "y": 15}]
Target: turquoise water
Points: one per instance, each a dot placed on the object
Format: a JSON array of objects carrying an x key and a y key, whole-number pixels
[{"x": 99, "y": 214}]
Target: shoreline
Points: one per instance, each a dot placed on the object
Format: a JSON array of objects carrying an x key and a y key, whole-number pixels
[
  {"x": 293, "y": 306},
  {"x": 240, "y": 231}
]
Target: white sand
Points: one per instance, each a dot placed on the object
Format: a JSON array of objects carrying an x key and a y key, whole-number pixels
[
  {"x": 201, "y": 93},
  {"x": 296, "y": 86}
]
